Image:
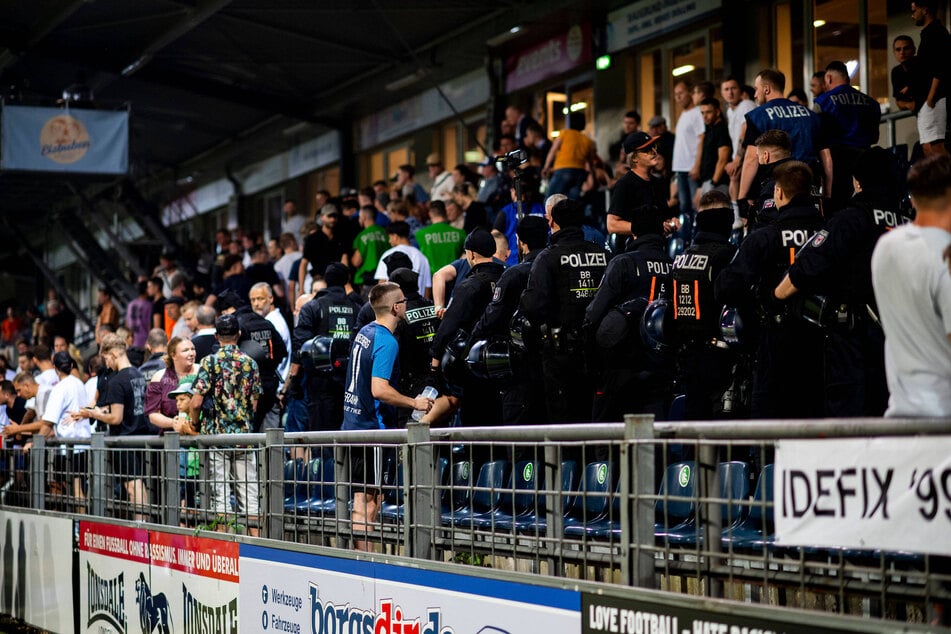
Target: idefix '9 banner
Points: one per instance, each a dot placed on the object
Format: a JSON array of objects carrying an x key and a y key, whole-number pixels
[{"x": 54, "y": 140}]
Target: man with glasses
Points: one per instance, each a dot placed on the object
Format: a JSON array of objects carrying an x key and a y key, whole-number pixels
[
  {"x": 639, "y": 189},
  {"x": 371, "y": 400}
]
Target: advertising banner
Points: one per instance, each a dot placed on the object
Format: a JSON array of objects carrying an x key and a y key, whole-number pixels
[
  {"x": 648, "y": 19},
  {"x": 54, "y": 140},
  {"x": 628, "y": 616},
  {"x": 892, "y": 494},
  {"x": 37, "y": 551},
  {"x": 112, "y": 561},
  {"x": 550, "y": 58},
  {"x": 284, "y": 591},
  {"x": 193, "y": 586}
]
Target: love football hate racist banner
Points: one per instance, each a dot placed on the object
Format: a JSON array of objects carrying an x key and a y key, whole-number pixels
[{"x": 54, "y": 140}]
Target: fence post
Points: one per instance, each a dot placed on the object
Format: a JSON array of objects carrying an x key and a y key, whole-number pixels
[
  {"x": 554, "y": 506},
  {"x": 97, "y": 475},
  {"x": 342, "y": 495},
  {"x": 421, "y": 515},
  {"x": 711, "y": 515},
  {"x": 274, "y": 491},
  {"x": 637, "y": 511},
  {"x": 172, "y": 483},
  {"x": 38, "y": 472}
]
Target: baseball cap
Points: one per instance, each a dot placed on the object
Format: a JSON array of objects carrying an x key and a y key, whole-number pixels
[
  {"x": 175, "y": 299},
  {"x": 328, "y": 210},
  {"x": 434, "y": 159},
  {"x": 184, "y": 386},
  {"x": 336, "y": 274},
  {"x": 638, "y": 141},
  {"x": 63, "y": 362},
  {"x": 656, "y": 120},
  {"x": 396, "y": 260},
  {"x": 228, "y": 299},
  {"x": 480, "y": 241},
  {"x": 227, "y": 325}
]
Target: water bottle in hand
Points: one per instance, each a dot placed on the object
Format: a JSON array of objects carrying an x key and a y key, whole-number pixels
[{"x": 428, "y": 392}]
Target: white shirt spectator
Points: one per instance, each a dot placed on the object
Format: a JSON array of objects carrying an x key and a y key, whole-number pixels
[
  {"x": 69, "y": 395},
  {"x": 420, "y": 265},
  {"x": 735, "y": 118},
  {"x": 689, "y": 129}
]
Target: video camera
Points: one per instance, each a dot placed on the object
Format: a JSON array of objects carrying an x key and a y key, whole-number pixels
[{"x": 511, "y": 161}]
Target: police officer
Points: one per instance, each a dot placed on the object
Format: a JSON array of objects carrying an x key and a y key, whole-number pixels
[
  {"x": 563, "y": 281},
  {"x": 775, "y": 112},
  {"x": 415, "y": 335},
  {"x": 706, "y": 363},
  {"x": 631, "y": 378},
  {"x": 786, "y": 377},
  {"x": 772, "y": 150},
  {"x": 522, "y": 398},
  {"x": 261, "y": 341},
  {"x": 836, "y": 265},
  {"x": 333, "y": 314},
  {"x": 468, "y": 302},
  {"x": 850, "y": 125}
]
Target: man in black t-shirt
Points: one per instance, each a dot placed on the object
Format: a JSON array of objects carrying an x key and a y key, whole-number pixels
[
  {"x": 715, "y": 151},
  {"x": 124, "y": 413},
  {"x": 639, "y": 189}
]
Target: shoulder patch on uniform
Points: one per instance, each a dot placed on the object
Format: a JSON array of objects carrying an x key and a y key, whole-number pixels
[
  {"x": 819, "y": 238},
  {"x": 769, "y": 203}
]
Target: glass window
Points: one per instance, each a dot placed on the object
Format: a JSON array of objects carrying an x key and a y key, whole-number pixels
[{"x": 838, "y": 35}]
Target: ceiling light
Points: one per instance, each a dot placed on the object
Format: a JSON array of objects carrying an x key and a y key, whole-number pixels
[
  {"x": 683, "y": 70},
  {"x": 851, "y": 66},
  {"x": 504, "y": 36},
  {"x": 581, "y": 105},
  {"x": 818, "y": 23},
  {"x": 408, "y": 80}
]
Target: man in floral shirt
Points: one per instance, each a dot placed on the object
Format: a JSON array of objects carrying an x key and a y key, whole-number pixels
[{"x": 232, "y": 380}]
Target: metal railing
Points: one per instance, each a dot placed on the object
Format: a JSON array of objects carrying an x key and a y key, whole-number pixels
[{"x": 597, "y": 502}]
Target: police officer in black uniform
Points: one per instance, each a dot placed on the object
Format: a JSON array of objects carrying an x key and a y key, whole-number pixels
[
  {"x": 631, "y": 378},
  {"x": 333, "y": 314},
  {"x": 415, "y": 334},
  {"x": 834, "y": 270},
  {"x": 787, "y": 381},
  {"x": 262, "y": 342},
  {"x": 523, "y": 396},
  {"x": 772, "y": 150},
  {"x": 563, "y": 281},
  {"x": 482, "y": 403},
  {"x": 706, "y": 363}
]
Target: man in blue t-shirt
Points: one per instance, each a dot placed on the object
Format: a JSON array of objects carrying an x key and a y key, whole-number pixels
[{"x": 370, "y": 398}]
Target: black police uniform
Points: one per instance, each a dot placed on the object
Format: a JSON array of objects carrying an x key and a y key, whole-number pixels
[
  {"x": 706, "y": 363},
  {"x": 523, "y": 396},
  {"x": 563, "y": 281},
  {"x": 631, "y": 379},
  {"x": 269, "y": 353},
  {"x": 787, "y": 382},
  {"x": 415, "y": 336},
  {"x": 331, "y": 313},
  {"x": 763, "y": 209},
  {"x": 836, "y": 264},
  {"x": 482, "y": 404}
]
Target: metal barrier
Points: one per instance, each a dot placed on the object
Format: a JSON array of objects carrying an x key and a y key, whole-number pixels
[{"x": 637, "y": 504}]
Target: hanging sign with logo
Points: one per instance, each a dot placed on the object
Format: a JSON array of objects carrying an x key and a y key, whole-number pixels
[
  {"x": 549, "y": 58},
  {"x": 54, "y": 140}
]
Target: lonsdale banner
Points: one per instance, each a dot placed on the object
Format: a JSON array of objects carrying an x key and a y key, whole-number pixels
[{"x": 54, "y": 140}]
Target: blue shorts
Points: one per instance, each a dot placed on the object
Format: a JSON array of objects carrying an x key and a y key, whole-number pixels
[{"x": 296, "y": 416}]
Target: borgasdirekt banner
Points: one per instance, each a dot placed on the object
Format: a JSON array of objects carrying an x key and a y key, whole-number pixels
[
  {"x": 36, "y": 570},
  {"x": 892, "y": 494},
  {"x": 284, "y": 591},
  {"x": 53, "y": 140}
]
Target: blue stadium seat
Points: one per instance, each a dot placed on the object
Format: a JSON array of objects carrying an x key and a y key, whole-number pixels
[
  {"x": 677, "y": 408},
  {"x": 734, "y": 486},
  {"x": 460, "y": 485},
  {"x": 593, "y": 501},
  {"x": 675, "y": 518},
  {"x": 319, "y": 488},
  {"x": 534, "y": 521},
  {"x": 518, "y": 500},
  {"x": 756, "y": 529},
  {"x": 294, "y": 490},
  {"x": 486, "y": 495}
]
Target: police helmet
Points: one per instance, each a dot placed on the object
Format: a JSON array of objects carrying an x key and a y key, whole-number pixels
[
  {"x": 521, "y": 331},
  {"x": 256, "y": 351},
  {"x": 657, "y": 326},
  {"x": 316, "y": 354},
  {"x": 731, "y": 326},
  {"x": 453, "y": 359},
  {"x": 492, "y": 359}
]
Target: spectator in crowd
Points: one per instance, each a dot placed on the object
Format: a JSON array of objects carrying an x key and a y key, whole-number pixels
[
  {"x": 398, "y": 234},
  {"x": 567, "y": 162},
  {"x": 685, "y": 164},
  {"x": 406, "y": 186},
  {"x": 155, "y": 347},
  {"x": 65, "y": 418},
  {"x": 11, "y": 327},
  {"x": 913, "y": 291},
  {"x": 291, "y": 255},
  {"x": 933, "y": 52},
  {"x": 737, "y": 107},
  {"x": 177, "y": 362},
  {"x": 108, "y": 313},
  {"x": 124, "y": 413},
  {"x": 43, "y": 362},
  {"x": 465, "y": 196},
  {"x": 262, "y": 303},
  {"x": 321, "y": 247},
  {"x": 230, "y": 379},
  {"x": 138, "y": 315},
  {"x": 370, "y": 399},
  {"x": 908, "y": 88},
  {"x": 154, "y": 292},
  {"x": 715, "y": 150},
  {"x": 291, "y": 220},
  {"x": 204, "y": 338},
  {"x": 629, "y": 124},
  {"x": 519, "y": 122},
  {"x": 441, "y": 178},
  {"x": 506, "y": 221}
]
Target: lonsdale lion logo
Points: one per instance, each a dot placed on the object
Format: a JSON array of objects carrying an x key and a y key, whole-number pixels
[{"x": 64, "y": 139}]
